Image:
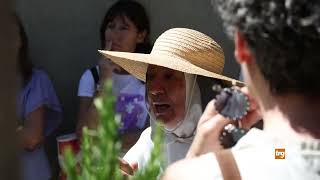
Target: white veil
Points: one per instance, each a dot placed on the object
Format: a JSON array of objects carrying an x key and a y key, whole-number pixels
[{"x": 179, "y": 139}]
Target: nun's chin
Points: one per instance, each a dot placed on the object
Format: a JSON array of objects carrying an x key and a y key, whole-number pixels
[
  {"x": 169, "y": 124},
  {"x": 169, "y": 119}
]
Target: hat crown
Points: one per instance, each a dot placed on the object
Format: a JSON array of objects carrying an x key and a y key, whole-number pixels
[{"x": 192, "y": 46}]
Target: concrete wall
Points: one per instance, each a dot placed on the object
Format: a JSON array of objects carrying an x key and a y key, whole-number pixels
[{"x": 64, "y": 38}]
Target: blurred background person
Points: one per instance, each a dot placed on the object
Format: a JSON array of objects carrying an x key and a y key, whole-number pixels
[
  {"x": 126, "y": 28},
  {"x": 39, "y": 111}
]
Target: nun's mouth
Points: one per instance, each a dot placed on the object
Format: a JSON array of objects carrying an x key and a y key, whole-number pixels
[{"x": 161, "y": 108}]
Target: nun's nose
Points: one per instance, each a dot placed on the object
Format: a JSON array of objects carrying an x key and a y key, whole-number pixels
[{"x": 156, "y": 89}]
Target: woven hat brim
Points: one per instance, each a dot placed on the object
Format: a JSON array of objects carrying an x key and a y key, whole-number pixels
[{"x": 137, "y": 64}]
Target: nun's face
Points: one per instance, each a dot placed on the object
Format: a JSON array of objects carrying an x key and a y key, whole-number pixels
[{"x": 166, "y": 90}]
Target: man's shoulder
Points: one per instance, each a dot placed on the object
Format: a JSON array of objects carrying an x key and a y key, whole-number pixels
[
  {"x": 260, "y": 155},
  {"x": 255, "y": 166},
  {"x": 255, "y": 159},
  {"x": 204, "y": 167}
]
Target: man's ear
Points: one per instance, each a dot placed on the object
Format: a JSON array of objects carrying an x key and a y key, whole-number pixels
[
  {"x": 141, "y": 36},
  {"x": 242, "y": 51}
]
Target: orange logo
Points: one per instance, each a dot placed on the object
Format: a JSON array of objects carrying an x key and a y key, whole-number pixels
[{"x": 280, "y": 154}]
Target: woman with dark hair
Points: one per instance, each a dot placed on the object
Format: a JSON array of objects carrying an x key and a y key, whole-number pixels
[
  {"x": 128, "y": 11},
  {"x": 39, "y": 111},
  {"x": 125, "y": 28}
]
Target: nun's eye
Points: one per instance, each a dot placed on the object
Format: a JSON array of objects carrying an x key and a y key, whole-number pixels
[
  {"x": 168, "y": 76},
  {"x": 150, "y": 76}
]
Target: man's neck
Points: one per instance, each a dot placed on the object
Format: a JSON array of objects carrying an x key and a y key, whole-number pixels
[{"x": 292, "y": 117}]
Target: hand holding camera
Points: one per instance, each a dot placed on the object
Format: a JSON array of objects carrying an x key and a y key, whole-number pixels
[{"x": 232, "y": 106}]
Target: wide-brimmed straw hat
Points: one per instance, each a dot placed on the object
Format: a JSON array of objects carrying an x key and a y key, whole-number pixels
[{"x": 180, "y": 49}]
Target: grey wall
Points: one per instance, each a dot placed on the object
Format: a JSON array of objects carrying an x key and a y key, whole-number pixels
[{"x": 64, "y": 37}]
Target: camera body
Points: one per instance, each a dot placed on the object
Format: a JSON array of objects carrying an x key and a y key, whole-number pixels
[{"x": 234, "y": 105}]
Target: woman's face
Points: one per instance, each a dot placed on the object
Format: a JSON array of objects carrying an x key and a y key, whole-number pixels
[
  {"x": 123, "y": 34},
  {"x": 166, "y": 90}
]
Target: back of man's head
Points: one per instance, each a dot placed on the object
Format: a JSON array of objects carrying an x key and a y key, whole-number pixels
[{"x": 284, "y": 37}]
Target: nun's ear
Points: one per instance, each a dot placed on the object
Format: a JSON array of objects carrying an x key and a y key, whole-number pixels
[{"x": 205, "y": 85}]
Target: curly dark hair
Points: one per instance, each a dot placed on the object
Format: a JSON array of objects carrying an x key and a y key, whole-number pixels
[
  {"x": 136, "y": 13},
  {"x": 284, "y": 36}
]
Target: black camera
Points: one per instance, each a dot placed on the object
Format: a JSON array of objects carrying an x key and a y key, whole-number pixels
[{"x": 234, "y": 105}]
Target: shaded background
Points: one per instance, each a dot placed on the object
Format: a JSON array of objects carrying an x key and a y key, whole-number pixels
[
  {"x": 64, "y": 37},
  {"x": 9, "y": 164}
]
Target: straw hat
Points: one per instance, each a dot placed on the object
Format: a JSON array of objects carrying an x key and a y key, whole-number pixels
[{"x": 180, "y": 49}]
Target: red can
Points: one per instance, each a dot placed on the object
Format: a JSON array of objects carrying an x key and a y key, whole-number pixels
[
  {"x": 68, "y": 140},
  {"x": 64, "y": 142}
]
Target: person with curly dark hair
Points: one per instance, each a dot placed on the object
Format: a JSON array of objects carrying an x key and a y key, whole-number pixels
[{"x": 277, "y": 44}]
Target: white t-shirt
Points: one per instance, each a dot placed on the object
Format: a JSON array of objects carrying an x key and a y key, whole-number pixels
[
  {"x": 141, "y": 151},
  {"x": 255, "y": 158},
  {"x": 87, "y": 86}
]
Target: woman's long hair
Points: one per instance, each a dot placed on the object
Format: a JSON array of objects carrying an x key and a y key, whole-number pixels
[{"x": 24, "y": 64}]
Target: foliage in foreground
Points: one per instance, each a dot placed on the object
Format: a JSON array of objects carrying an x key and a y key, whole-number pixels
[{"x": 100, "y": 148}]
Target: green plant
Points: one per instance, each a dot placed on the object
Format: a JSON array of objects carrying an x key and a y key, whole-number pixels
[
  {"x": 153, "y": 167},
  {"x": 100, "y": 148}
]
